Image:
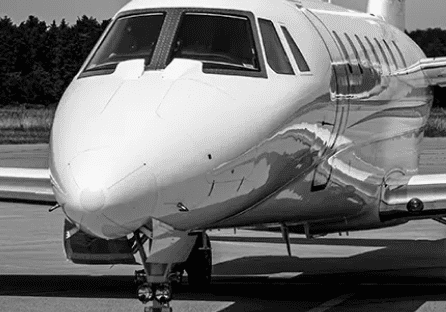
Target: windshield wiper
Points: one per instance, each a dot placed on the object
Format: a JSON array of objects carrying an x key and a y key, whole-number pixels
[
  {"x": 232, "y": 65},
  {"x": 109, "y": 65}
]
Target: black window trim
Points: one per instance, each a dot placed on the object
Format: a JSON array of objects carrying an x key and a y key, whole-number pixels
[
  {"x": 172, "y": 20},
  {"x": 281, "y": 45},
  {"x": 355, "y": 52},
  {"x": 391, "y": 53},
  {"x": 373, "y": 50},
  {"x": 400, "y": 53},
  {"x": 364, "y": 50},
  {"x": 342, "y": 45},
  {"x": 386, "y": 60},
  {"x": 303, "y": 68},
  {"x": 344, "y": 51}
]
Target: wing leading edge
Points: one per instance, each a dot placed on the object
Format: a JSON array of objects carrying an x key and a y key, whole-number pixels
[
  {"x": 26, "y": 185},
  {"x": 429, "y": 188},
  {"x": 425, "y": 72}
]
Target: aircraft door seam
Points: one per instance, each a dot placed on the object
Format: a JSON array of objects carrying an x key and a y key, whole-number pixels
[{"x": 343, "y": 118}]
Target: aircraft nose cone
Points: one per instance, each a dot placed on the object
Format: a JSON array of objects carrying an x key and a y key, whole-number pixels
[
  {"x": 92, "y": 200},
  {"x": 108, "y": 195}
]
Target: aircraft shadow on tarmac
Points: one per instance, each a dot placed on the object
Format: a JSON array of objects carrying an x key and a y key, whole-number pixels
[
  {"x": 387, "y": 255},
  {"x": 418, "y": 267}
]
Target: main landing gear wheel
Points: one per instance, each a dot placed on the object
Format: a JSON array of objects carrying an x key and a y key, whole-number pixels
[{"x": 199, "y": 264}]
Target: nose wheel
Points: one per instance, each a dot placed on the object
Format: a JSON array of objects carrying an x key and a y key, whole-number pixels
[
  {"x": 154, "y": 283},
  {"x": 152, "y": 287}
]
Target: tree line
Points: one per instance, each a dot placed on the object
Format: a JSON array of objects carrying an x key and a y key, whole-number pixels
[{"x": 38, "y": 61}]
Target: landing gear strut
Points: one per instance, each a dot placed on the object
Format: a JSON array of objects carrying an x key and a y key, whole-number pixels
[
  {"x": 165, "y": 263},
  {"x": 151, "y": 283}
]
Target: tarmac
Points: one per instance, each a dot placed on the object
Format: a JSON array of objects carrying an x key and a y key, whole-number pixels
[{"x": 396, "y": 269}]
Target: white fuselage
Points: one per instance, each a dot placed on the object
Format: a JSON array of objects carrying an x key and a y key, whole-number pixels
[{"x": 201, "y": 149}]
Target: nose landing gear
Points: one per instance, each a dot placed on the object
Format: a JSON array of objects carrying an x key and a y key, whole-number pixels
[
  {"x": 151, "y": 283},
  {"x": 167, "y": 259}
]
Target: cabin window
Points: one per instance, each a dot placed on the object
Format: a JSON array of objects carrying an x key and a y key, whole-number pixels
[
  {"x": 344, "y": 51},
  {"x": 343, "y": 48},
  {"x": 275, "y": 53},
  {"x": 391, "y": 53},
  {"x": 401, "y": 54},
  {"x": 220, "y": 41},
  {"x": 373, "y": 50},
  {"x": 364, "y": 50},
  {"x": 386, "y": 60},
  {"x": 355, "y": 51},
  {"x": 131, "y": 37},
  {"x": 300, "y": 60}
]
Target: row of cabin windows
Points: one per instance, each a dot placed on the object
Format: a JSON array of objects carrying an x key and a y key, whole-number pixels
[
  {"x": 280, "y": 63},
  {"x": 387, "y": 62},
  {"x": 275, "y": 52}
]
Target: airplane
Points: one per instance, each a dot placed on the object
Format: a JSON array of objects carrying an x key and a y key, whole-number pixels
[{"x": 187, "y": 116}]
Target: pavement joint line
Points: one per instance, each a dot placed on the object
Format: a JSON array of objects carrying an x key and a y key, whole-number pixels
[{"x": 332, "y": 303}]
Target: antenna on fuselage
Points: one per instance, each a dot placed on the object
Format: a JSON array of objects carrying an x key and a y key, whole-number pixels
[{"x": 392, "y": 11}]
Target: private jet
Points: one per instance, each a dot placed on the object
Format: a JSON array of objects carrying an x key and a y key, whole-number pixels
[{"x": 188, "y": 116}]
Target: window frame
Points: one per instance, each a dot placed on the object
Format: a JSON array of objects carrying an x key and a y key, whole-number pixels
[
  {"x": 364, "y": 50},
  {"x": 378, "y": 60},
  {"x": 344, "y": 51},
  {"x": 208, "y": 66},
  {"x": 161, "y": 54},
  {"x": 84, "y": 72},
  {"x": 386, "y": 60},
  {"x": 299, "y": 59},
  {"x": 280, "y": 46},
  {"x": 392, "y": 56},
  {"x": 400, "y": 53},
  {"x": 355, "y": 52}
]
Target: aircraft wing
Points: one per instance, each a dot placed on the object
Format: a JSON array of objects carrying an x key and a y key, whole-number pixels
[
  {"x": 429, "y": 188},
  {"x": 428, "y": 71},
  {"x": 26, "y": 185}
]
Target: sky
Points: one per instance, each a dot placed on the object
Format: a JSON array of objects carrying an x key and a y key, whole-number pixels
[{"x": 421, "y": 14}]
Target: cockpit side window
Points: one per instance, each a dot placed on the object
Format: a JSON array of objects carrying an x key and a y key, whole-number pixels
[
  {"x": 131, "y": 37},
  {"x": 221, "y": 41},
  {"x": 275, "y": 53},
  {"x": 300, "y": 60}
]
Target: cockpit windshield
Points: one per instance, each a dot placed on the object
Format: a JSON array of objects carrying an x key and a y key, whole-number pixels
[
  {"x": 131, "y": 37},
  {"x": 219, "y": 40}
]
